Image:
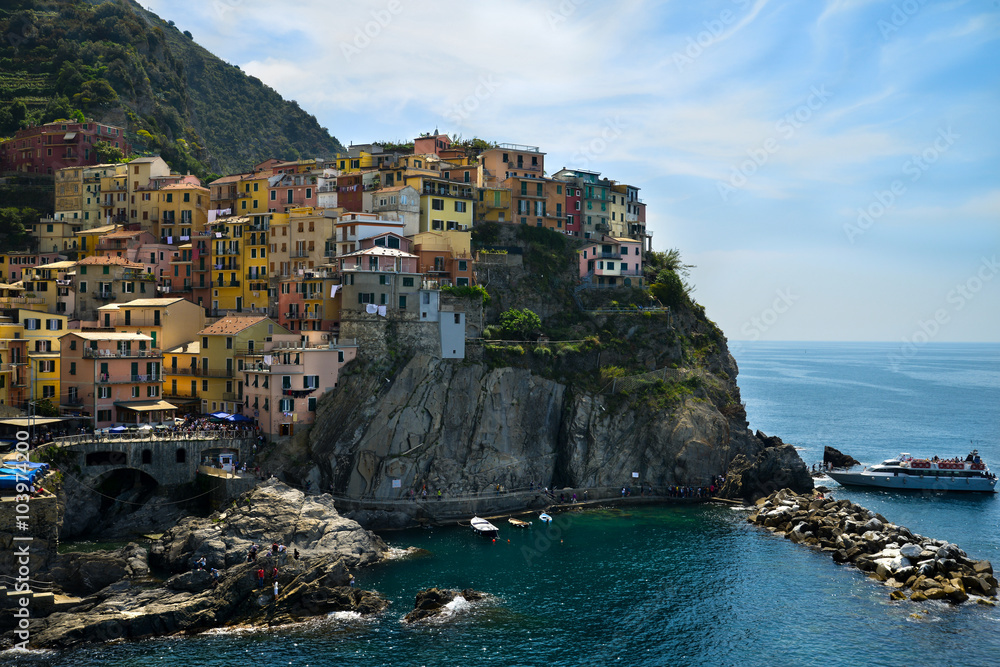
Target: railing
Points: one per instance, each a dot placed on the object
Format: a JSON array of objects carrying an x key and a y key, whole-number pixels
[
  {"x": 299, "y": 254},
  {"x": 89, "y": 353},
  {"x": 179, "y": 393},
  {"x": 225, "y": 251},
  {"x": 107, "y": 378},
  {"x": 231, "y": 396},
  {"x": 105, "y": 296},
  {"x": 153, "y": 435},
  {"x": 11, "y": 300}
]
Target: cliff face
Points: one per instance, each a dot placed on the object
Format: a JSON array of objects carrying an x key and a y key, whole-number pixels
[
  {"x": 464, "y": 428},
  {"x": 621, "y": 388}
]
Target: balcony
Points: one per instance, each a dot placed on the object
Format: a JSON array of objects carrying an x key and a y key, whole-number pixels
[
  {"x": 107, "y": 378},
  {"x": 90, "y": 353},
  {"x": 105, "y": 296},
  {"x": 259, "y": 276},
  {"x": 225, "y": 266},
  {"x": 71, "y": 402},
  {"x": 225, "y": 283},
  {"x": 219, "y": 252},
  {"x": 200, "y": 372},
  {"x": 299, "y": 254},
  {"x": 231, "y": 396},
  {"x": 179, "y": 393}
]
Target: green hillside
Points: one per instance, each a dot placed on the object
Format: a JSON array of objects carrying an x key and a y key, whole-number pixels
[{"x": 120, "y": 64}]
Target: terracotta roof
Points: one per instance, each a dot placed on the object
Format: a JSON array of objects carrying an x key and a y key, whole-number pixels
[
  {"x": 110, "y": 260},
  {"x": 122, "y": 234},
  {"x": 184, "y": 186},
  {"x": 97, "y": 230},
  {"x": 232, "y": 324},
  {"x": 395, "y": 188},
  {"x": 227, "y": 179}
]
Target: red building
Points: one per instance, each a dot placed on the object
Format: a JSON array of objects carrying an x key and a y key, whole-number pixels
[
  {"x": 350, "y": 192},
  {"x": 573, "y": 212},
  {"x": 46, "y": 148}
]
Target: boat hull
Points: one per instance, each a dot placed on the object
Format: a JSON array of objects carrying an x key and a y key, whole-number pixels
[{"x": 905, "y": 482}]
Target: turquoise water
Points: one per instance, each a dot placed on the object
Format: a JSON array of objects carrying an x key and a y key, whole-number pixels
[{"x": 687, "y": 585}]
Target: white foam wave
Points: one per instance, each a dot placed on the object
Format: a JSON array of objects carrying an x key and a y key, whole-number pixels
[{"x": 345, "y": 615}]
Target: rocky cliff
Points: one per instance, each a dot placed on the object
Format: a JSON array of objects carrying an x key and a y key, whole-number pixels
[{"x": 617, "y": 389}]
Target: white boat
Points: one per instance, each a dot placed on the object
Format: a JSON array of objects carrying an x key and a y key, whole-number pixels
[
  {"x": 484, "y": 527},
  {"x": 907, "y": 473},
  {"x": 545, "y": 518}
]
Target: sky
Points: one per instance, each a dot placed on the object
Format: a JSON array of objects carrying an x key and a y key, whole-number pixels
[{"x": 829, "y": 167}]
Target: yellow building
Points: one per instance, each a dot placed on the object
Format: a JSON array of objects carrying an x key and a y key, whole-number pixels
[
  {"x": 57, "y": 235},
  {"x": 53, "y": 284},
  {"x": 252, "y": 194},
  {"x": 88, "y": 239},
  {"x": 176, "y": 212},
  {"x": 13, "y": 364},
  {"x": 444, "y": 205},
  {"x": 44, "y": 376},
  {"x": 216, "y": 362},
  {"x": 256, "y": 245},
  {"x": 617, "y": 208},
  {"x": 114, "y": 194},
  {"x": 168, "y": 321},
  {"x": 181, "y": 382},
  {"x": 68, "y": 193},
  {"x": 493, "y": 205}
]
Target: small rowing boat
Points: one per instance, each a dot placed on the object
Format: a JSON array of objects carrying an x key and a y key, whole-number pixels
[
  {"x": 545, "y": 517},
  {"x": 517, "y": 523},
  {"x": 484, "y": 527}
]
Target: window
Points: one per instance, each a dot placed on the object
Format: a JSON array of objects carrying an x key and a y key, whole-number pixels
[
  {"x": 204, "y": 342},
  {"x": 32, "y": 324},
  {"x": 402, "y": 302},
  {"x": 104, "y": 415},
  {"x": 460, "y": 207},
  {"x": 407, "y": 282},
  {"x": 310, "y": 382},
  {"x": 83, "y": 285},
  {"x": 463, "y": 265},
  {"x": 286, "y": 381},
  {"x": 286, "y": 405},
  {"x": 229, "y": 343},
  {"x": 437, "y": 204},
  {"x": 135, "y": 392},
  {"x": 312, "y": 404},
  {"x": 462, "y": 282},
  {"x": 72, "y": 368},
  {"x": 104, "y": 392}
]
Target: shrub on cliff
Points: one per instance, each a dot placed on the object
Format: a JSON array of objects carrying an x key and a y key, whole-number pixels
[{"x": 516, "y": 324}]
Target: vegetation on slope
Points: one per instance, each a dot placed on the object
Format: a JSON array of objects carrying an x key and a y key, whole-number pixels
[{"x": 117, "y": 63}]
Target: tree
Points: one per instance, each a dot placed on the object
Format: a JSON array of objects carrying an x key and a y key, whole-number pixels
[
  {"x": 44, "y": 408},
  {"x": 107, "y": 153},
  {"x": 669, "y": 289},
  {"x": 517, "y": 324}
]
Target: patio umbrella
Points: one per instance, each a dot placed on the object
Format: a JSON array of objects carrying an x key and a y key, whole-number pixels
[{"x": 117, "y": 429}]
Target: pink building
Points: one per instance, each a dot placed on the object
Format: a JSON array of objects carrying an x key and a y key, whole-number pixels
[
  {"x": 124, "y": 243},
  {"x": 288, "y": 191},
  {"x": 115, "y": 378},
  {"x": 283, "y": 383},
  {"x": 47, "y": 148},
  {"x": 612, "y": 262}
]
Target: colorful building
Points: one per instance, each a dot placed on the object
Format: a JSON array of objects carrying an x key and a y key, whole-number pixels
[
  {"x": 444, "y": 205},
  {"x": 13, "y": 364},
  {"x": 113, "y": 377},
  {"x": 505, "y": 161},
  {"x": 44, "y": 149},
  {"x": 444, "y": 256},
  {"x": 284, "y": 380},
  {"x": 612, "y": 262}
]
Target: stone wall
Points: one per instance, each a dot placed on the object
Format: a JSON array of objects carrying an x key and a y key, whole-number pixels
[{"x": 42, "y": 526}]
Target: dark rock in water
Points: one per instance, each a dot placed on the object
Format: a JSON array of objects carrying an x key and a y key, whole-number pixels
[
  {"x": 776, "y": 466},
  {"x": 834, "y": 458},
  {"x": 432, "y": 602}
]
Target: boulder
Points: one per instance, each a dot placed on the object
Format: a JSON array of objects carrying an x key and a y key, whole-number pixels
[
  {"x": 982, "y": 567},
  {"x": 835, "y": 459},
  {"x": 911, "y": 551},
  {"x": 272, "y": 512},
  {"x": 434, "y": 602}
]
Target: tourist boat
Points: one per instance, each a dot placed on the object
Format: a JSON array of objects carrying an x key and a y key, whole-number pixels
[
  {"x": 484, "y": 527},
  {"x": 907, "y": 473},
  {"x": 545, "y": 518},
  {"x": 518, "y": 523}
]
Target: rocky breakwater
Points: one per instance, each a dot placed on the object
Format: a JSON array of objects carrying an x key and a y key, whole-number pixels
[
  {"x": 192, "y": 600},
  {"x": 915, "y": 567}
]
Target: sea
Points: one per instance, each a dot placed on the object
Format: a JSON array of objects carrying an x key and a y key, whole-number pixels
[{"x": 685, "y": 585}]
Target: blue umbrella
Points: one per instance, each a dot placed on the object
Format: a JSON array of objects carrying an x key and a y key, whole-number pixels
[
  {"x": 220, "y": 415},
  {"x": 238, "y": 418},
  {"x": 117, "y": 429}
]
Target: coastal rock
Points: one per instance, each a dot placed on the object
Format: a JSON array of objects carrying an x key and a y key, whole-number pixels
[
  {"x": 930, "y": 569},
  {"x": 272, "y": 512},
  {"x": 835, "y": 459},
  {"x": 433, "y": 602},
  {"x": 776, "y": 466},
  {"x": 193, "y": 602},
  {"x": 84, "y": 573}
]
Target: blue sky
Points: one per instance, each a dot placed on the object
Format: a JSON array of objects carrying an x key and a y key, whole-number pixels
[{"x": 830, "y": 167}]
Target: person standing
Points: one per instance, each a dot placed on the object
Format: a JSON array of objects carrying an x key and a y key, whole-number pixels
[{"x": 260, "y": 578}]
